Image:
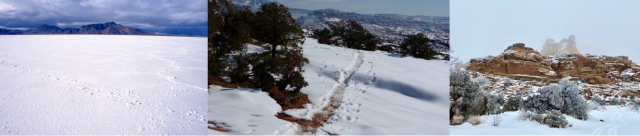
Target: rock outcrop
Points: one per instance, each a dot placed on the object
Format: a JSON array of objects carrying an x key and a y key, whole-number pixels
[
  {"x": 518, "y": 61},
  {"x": 565, "y": 46}
]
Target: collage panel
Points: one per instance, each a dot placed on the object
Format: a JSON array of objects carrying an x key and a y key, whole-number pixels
[
  {"x": 90, "y": 67},
  {"x": 544, "y": 67},
  {"x": 350, "y": 67}
]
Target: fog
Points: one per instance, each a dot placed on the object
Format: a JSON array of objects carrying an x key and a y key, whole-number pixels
[{"x": 565, "y": 46}]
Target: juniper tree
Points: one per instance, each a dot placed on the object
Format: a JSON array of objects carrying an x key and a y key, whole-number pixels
[
  {"x": 353, "y": 35},
  {"x": 417, "y": 46},
  {"x": 229, "y": 32},
  {"x": 282, "y": 68},
  {"x": 275, "y": 26}
]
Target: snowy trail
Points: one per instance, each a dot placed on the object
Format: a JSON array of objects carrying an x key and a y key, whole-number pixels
[
  {"x": 373, "y": 93},
  {"x": 345, "y": 74},
  {"x": 612, "y": 128}
]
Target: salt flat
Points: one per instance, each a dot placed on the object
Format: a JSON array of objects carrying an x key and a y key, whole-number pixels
[{"x": 102, "y": 84}]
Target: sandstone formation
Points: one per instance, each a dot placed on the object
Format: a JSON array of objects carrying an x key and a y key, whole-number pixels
[
  {"x": 518, "y": 61},
  {"x": 565, "y": 46}
]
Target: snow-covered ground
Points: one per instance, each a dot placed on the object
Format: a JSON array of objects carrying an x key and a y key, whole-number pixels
[
  {"x": 381, "y": 93},
  {"x": 617, "y": 121},
  {"x": 102, "y": 84}
]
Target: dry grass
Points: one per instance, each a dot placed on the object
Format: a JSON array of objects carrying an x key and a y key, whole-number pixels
[
  {"x": 474, "y": 120},
  {"x": 218, "y": 127},
  {"x": 283, "y": 99}
]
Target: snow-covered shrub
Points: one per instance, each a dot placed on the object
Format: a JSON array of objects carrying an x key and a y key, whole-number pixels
[
  {"x": 494, "y": 102},
  {"x": 474, "y": 120},
  {"x": 597, "y": 100},
  {"x": 550, "y": 98},
  {"x": 563, "y": 96},
  {"x": 614, "y": 102},
  {"x": 555, "y": 119},
  {"x": 496, "y": 119},
  {"x": 481, "y": 80},
  {"x": 531, "y": 116},
  {"x": 467, "y": 96},
  {"x": 525, "y": 115},
  {"x": 506, "y": 83},
  {"x": 512, "y": 104},
  {"x": 575, "y": 105}
]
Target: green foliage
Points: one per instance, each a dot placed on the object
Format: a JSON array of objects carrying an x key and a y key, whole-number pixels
[
  {"x": 417, "y": 46},
  {"x": 229, "y": 32},
  {"x": 275, "y": 26},
  {"x": 354, "y": 36},
  {"x": 512, "y": 104},
  {"x": 323, "y": 36},
  {"x": 555, "y": 119}
]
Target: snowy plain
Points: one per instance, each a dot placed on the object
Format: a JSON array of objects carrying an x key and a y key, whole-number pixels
[
  {"x": 381, "y": 93},
  {"x": 102, "y": 84},
  {"x": 617, "y": 121}
]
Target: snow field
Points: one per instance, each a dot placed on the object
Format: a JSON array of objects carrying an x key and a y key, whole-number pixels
[
  {"x": 102, "y": 84},
  {"x": 378, "y": 93},
  {"x": 617, "y": 121}
]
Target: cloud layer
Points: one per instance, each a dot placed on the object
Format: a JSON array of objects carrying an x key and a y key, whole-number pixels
[{"x": 153, "y": 15}]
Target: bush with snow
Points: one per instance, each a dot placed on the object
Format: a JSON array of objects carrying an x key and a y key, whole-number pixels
[
  {"x": 494, "y": 102},
  {"x": 481, "y": 80},
  {"x": 575, "y": 105},
  {"x": 550, "y": 98},
  {"x": 563, "y": 96},
  {"x": 531, "y": 116},
  {"x": 468, "y": 99},
  {"x": 507, "y": 83},
  {"x": 555, "y": 119},
  {"x": 512, "y": 104},
  {"x": 597, "y": 100}
]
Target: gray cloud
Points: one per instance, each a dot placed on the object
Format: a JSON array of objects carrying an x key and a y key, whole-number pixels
[{"x": 150, "y": 14}]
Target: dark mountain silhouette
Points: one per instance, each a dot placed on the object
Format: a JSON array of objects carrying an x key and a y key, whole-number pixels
[{"x": 106, "y": 28}]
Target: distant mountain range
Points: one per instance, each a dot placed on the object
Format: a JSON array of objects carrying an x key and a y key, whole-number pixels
[{"x": 106, "y": 28}]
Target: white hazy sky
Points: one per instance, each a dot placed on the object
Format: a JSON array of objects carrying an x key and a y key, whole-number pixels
[{"x": 486, "y": 27}]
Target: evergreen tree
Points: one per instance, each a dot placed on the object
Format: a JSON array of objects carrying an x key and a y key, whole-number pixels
[
  {"x": 354, "y": 36},
  {"x": 275, "y": 25},
  {"x": 417, "y": 46},
  {"x": 229, "y": 32}
]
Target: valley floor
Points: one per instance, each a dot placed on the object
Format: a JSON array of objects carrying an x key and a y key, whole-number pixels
[{"x": 102, "y": 84}]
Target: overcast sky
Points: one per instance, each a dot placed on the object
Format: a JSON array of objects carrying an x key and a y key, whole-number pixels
[
  {"x": 167, "y": 16},
  {"x": 486, "y": 27},
  {"x": 401, "y": 7}
]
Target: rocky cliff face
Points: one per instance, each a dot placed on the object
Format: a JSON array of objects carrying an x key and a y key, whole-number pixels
[
  {"x": 518, "y": 61},
  {"x": 107, "y": 28}
]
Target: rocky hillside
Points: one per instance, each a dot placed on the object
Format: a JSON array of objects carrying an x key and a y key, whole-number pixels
[
  {"x": 106, "y": 28},
  {"x": 522, "y": 70},
  {"x": 518, "y": 61}
]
